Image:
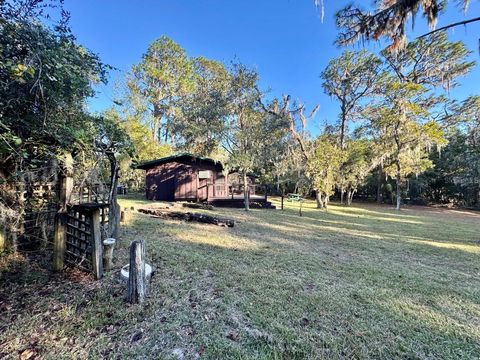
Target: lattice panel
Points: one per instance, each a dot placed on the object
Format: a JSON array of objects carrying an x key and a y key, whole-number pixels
[
  {"x": 41, "y": 205},
  {"x": 78, "y": 250}
]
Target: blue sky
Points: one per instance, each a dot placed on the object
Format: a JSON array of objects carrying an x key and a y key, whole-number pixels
[{"x": 285, "y": 40}]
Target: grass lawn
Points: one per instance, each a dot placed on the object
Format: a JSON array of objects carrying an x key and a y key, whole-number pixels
[{"x": 354, "y": 282}]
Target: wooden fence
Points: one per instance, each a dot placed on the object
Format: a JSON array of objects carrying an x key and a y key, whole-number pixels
[
  {"x": 46, "y": 205},
  {"x": 81, "y": 228}
]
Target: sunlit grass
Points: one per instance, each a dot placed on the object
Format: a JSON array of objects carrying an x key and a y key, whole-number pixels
[{"x": 352, "y": 282}]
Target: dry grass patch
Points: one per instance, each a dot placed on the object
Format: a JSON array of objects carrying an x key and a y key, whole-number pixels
[{"x": 353, "y": 282}]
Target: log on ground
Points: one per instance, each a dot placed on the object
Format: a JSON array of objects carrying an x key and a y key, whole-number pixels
[
  {"x": 198, "y": 206},
  {"x": 187, "y": 216}
]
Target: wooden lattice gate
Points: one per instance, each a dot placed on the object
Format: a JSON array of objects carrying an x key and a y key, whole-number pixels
[{"x": 85, "y": 226}]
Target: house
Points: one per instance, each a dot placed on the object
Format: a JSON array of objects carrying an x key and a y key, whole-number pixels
[{"x": 186, "y": 177}]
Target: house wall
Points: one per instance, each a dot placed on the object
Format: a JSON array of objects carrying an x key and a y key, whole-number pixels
[
  {"x": 178, "y": 180},
  {"x": 215, "y": 172},
  {"x": 160, "y": 182}
]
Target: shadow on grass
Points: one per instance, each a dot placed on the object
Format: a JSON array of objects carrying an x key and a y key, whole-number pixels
[
  {"x": 341, "y": 290},
  {"x": 274, "y": 285}
]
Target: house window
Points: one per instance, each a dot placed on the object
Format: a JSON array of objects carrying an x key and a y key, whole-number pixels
[
  {"x": 220, "y": 179},
  {"x": 204, "y": 174}
]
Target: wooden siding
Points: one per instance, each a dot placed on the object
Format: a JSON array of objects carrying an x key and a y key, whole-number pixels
[
  {"x": 160, "y": 182},
  {"x": 178, "y": 180}
]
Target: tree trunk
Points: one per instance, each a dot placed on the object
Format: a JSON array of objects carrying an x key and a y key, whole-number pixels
[
  {"x": 114, "y": 207},
  {"x": 246, "y": 195},
  {"x": 477, "y": 197},
  {"x": 341, "y": 195},
  {"x": 157, "y": 118},
  {"x": 350, "y": 197},
  {"x": 380, "y": 184},
  {"x": 349, "y": 192},
  {"x": 166, "y": 135},
  {"x": 343, "y": 125},
  {"x": 398, "y": 179},
  {"x": 319, "y": 199},
  {"x": 156, "y": 130}
]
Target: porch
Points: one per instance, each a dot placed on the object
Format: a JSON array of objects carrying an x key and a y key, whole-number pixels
[{"x": 235, "y": 199}]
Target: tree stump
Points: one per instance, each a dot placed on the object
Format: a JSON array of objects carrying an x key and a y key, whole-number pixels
[{"x": 136, "y": 277}]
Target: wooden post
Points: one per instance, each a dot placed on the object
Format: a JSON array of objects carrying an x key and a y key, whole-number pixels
[
  {"x": 97, "y": 248},
  {"x": 65, "y": 180},
  {"x": 3, "y": 238},
  {"x": 282, "y": 201},
  {"x": 122, "y": 216},
  {"x": 136, "y": 275},
  {"x": 59, "y": 238},
  {"x": 108, "y": 246},
  {"x": 197, "y": 185}
]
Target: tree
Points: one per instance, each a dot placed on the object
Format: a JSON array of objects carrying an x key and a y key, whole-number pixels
[
  {"x": 111, "y": 140},
  {"x": 402, "y": 122},
  {"x": 323, "y": 166},
  {"x": 45, "y": 78},
  {"x": 163, "y": 76},
  {"x": 145, "y": 149},
  {"x": 389, "y": 20},
  {"x": 358, "y": 162},
  {"x": 467, "y": 161},
  {"x": 350, "y": 79},
  {"x": 243, "y": 141},
  {"x": 201, "y": 119},
  {"x": 295, "y": 120},
  {"x": 432, "y": 61}
]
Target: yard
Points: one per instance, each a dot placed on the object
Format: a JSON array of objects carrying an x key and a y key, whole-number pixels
[{"x": 354, "y": 282}]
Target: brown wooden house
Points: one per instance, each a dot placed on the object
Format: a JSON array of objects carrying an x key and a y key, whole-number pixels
[{"x": 186, "y": 177}]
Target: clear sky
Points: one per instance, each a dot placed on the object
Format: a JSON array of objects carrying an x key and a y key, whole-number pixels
[{"x": 285, "y": 40}]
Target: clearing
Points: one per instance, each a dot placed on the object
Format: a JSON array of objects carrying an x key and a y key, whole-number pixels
[{"x": 354, "y": 282}]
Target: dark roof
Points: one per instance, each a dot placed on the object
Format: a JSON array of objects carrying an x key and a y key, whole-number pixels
[{"x": 149, "y": 164}]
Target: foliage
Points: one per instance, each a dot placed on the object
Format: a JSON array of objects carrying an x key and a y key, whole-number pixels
[
  {"x": 324, "y": 165},
  {"x": 163, "y": 76},
  {"x": 455, "y": 178},
  {"x": 431, "y": 61},
  {"x": 388, "y": 20},
  {"x": 200, "y": 123},
  {"x": 401, "y": 122},
  {"x": 350, "y": 79},
  {"x": 358, "y": 162},
  {"x": 45, "y": 78}
]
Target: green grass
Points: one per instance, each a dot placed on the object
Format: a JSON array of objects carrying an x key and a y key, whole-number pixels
[{"x": 354, "y": 282}]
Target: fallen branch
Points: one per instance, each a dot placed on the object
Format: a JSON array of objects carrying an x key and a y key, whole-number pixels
[{"x": 187, "y": 216}]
